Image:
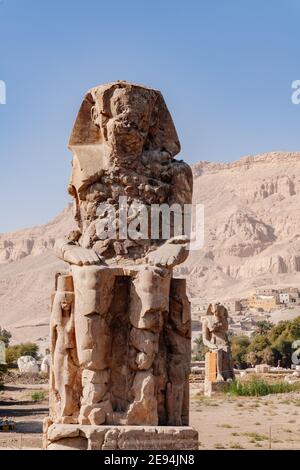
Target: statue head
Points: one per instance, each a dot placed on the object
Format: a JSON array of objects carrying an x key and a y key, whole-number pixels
[
  {"x": 66, "y": 300},
  {"x": 115, "y": 125},
  {"x": 64, "y": 295},
  {"x": 123, "y": 143},
  {"x": 221, "y": 312}
]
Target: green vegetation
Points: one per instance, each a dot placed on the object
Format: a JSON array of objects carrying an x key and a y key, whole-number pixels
[
  {"x": 200, "y": 349},
  {"x": 255, "y": 387},
  {"x": 219, "y": 446},
  {"x": 255, "y": 437},
  {"x": 268, "y": 345},
  {"x": 203, "y": 400},
  {"x": 38, "y": 396},
  {"x": 263, "y": 327},
  {"x": 239, "y": 348},
  {"x": 25, "y": 349},
  {"x": 236, "y": 445}
]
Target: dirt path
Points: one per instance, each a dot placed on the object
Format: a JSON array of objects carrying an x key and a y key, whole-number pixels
[{"x": 17, "y": 404}]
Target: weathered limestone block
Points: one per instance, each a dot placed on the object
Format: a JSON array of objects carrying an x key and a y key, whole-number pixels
[
  {"x": 143, "y": 410},
  {"x": 262, "y": 368},
  {"x": 122, "y": 438},
  {"x": 94, "y": 389},
  {"x": 69, "y": 443},
  {"x": 147, "y": 343},
  {"x": 27, "y": 364},
  {"x": 211, "y": 388},
  {"x": 61, "y": 431},
  {"x": 99, "y": 412},
  {"x": 149, "y": 298}
]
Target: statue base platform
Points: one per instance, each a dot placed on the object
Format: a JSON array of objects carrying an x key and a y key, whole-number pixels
[
  {"x": 210, "y": 388},
  {"x": 88, "y": 437}
]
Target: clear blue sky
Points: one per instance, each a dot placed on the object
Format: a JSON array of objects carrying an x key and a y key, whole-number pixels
[{"x": 225, "y": 68}]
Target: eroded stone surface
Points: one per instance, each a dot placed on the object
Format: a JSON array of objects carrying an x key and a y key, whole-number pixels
[{"x": 121, "y": 438}]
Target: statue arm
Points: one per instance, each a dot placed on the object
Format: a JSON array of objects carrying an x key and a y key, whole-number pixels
[
  {"x": 171, "y": 253},
  {"x": 206, "y": 337},
  {"x": 75, "y": 254},
  {"x": 209, "y": 344},
  {"x": 53, "y": 336}
]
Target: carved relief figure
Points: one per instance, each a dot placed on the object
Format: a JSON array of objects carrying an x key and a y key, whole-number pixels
[{"x": 63, "y": 350}]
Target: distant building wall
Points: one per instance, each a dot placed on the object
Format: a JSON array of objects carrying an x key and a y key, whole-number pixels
[
  {"x": 233, "y": 305},
  {"x": 265, "y": 302}
]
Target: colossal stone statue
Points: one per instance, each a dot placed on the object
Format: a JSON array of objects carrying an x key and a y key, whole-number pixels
[
  {"x": 120, "y": 323},
  {"x": 219, "y": 367}
]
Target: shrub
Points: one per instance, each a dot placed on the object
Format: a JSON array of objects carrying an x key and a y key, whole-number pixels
[
  {"x": 263, "y": 327},
  {"x": 38, "y": 396},
  {"x": 254, "y": 436},
  {"x": 239, "y": 347},
  {"x": 256, "y": 387},
  {"x": 200, "y": 349}
]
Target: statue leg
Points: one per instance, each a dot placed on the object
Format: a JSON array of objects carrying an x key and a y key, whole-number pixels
[
  {"x": 149, "y": 301},
  {"x": 66, "y": 400},
  {"x": 178, "y": 341},
  {"x": 93, "y": 295},
  {"x": 220, "y": 367}
]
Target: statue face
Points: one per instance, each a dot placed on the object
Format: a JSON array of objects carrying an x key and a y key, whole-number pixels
[
  {"x": 66, "y": 302},
  {"x": 130, "y": 121},
  {"x": 220, "y": 311},
  {"x": 116, "y": 123}
]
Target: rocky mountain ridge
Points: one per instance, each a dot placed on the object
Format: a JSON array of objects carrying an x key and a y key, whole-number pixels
[{"x": 252, "y": 239}]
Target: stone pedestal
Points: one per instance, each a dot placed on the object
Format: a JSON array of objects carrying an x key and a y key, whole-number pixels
[
  {"x": 210, "y": 388},
  {"x": 211, "y": 384},
  {"x": 211, "y": 366},
  {"x": 87, "y": 437}
]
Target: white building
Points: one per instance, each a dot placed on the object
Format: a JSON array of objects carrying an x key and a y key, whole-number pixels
[{"x": 284, "y": 298}]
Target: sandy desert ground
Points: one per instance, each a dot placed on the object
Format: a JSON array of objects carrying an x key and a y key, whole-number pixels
[
  {"x": 256, "y": 423},
  {"x": 16, "y": 404},
  {"x": 223, "y": 422}
]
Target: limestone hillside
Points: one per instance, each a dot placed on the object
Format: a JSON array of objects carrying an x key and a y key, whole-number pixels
[{"x": 252, "y": 238}]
